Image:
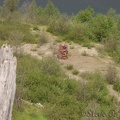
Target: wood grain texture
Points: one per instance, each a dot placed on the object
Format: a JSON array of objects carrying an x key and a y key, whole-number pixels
[{"x": 8, "y": 65}]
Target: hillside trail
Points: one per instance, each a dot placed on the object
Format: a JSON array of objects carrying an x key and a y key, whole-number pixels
[{"x": 81, "y": 58}]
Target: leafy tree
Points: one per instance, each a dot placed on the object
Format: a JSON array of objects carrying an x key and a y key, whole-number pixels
[
  {"x": 42, "y": 19},
  {"x": 111, "y": 12},
  {"x": 24, "y": 7},
  {"x": 40, "y": 11},
  {"x": 11, "y": 5},
  {"x": 101, "y": 26},
  {"x": 51, "y": 10},
  {"x": 85, "y": 15},
  {"x": 9, "y": 11},
  {"x": 30, "y": 11},
  {"x": 60, "y": 26}
]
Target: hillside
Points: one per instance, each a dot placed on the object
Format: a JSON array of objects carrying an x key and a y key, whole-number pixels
[
  {"x": 86, "y": 61},
  {"x": 83, "y": 59},
  {"x": 86, "y": 85}
]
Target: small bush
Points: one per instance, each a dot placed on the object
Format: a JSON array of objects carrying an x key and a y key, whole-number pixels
[
  {"x": 111, "y": 42},
  {"x": 69, "y": 54},
  {"x": 29, "y": 38},
  {"x": 43, "y": 38},
  {"x": 17, "y": 30},
  {"x": 77, "y": 33},
  {"x": 33, "y": 49},
  {"x": 60, "y": 26},
  {"x": 75, "y": 72},
  {"x": 117, "y": 85},
  {"x": 84, "y": 53},
  {"x": 86, "y": 75},
  {"x": 51, "y": 66},
  {"x": 69, "y": 67},
  {"x": 101, "y": 50},
  {"x": 58, "y": 40},
  {"x": 35, "y": 28},
  {"x": 111, "y": 74},
  {"x": 97, "y": 88},
  {"x": 16, "y": 37},
  {"x": 88, "y": 45},
  {"x": 71, "y": 47}
]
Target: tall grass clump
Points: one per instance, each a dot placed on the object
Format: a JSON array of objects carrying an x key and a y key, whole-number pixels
[
  {"x": 96, "y": 86},
  {"x": 77, "y": 33},
  {"x": 8, "y": 30},
  {"x": 69, "y": 67},
  {"x": 60, "y": 26},
  {"x": 116, "y": 85},
  {"x": 42, "y": 39},
  {"x": 111, "y": 75},
  {"x": 51, "y": 66}
]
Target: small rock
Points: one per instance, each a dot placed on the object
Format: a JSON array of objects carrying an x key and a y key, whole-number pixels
[{"x": 39, "y": 105}]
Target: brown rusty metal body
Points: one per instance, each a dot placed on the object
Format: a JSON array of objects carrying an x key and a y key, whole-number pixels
[{"x": 63, "y": 51}]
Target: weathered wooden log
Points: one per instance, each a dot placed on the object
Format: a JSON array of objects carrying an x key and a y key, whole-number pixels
[{"x": 8, "y": 65}]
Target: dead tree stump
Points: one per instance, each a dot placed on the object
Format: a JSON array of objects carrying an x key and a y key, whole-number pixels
[{"x": 8, "y": 65}]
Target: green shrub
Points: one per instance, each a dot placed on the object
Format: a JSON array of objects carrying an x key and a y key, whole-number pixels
[
  {"x": 101, "y": 50},
  {"x": 29, "y": 112},
  {"x": 60, "y": 26},
  {"x": 51, "y": 11},
  {"x": 85, "y": 15},
  {"x": 75, "y": 72},
  {"x": 111, "y": 74},
  {"x": 42, "y": 38},
  {"x": 97, "y": 87},
  {"x": 84, "y": 53},
  {"x": 71, "y": 47},
  {"x": 51, "y": 66},
  {"x": 35, "y": 27},
  {"x": 101, "y": 26},
  {"x": 77, "y": 33},
  {"x": 69, "y": 67},
  {"x": 117, "y": 85},
  {"x": 86, "y": 75},
  {"x": 59, "y": 40},
  {"x": 29, "y": 38},
  {"x": 88, "y": 45},
  {"x": 7, "y": 29}
]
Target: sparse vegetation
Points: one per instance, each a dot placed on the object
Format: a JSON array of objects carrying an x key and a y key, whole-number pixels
[
  {"x": 35, "y": 27},
  {"x": 33, "y": 49},
  {"x": 111, "y": 75},
  {"x": 17, "y": 32},
  {"x": 43, "y": 80},
  {"x": 75, "y": 72},
  {"x": 71, "y": 47},
  {"x": 88, "y": 45},
  {"x": 42, "y": 85},
  {"x": 101, "y": 50},
  {"x": 84, "y": 53},
  {"x": 51, "y": 66},
  {"x": 42, "y": 38},
  {"x": 69, "y": 67},
  {"x": 28, "y": 112},
  {"x": 117, "y": 85}
]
